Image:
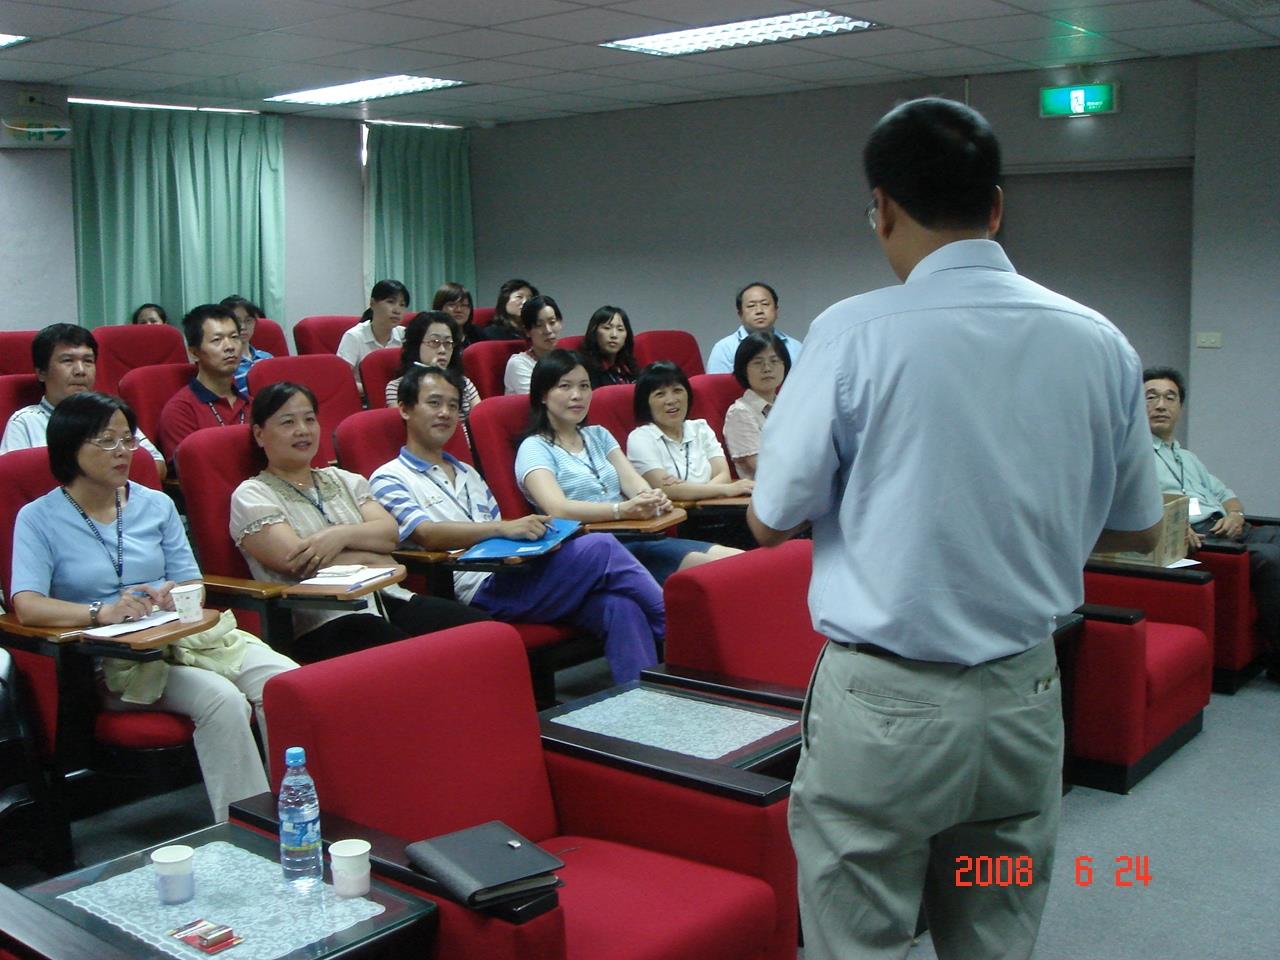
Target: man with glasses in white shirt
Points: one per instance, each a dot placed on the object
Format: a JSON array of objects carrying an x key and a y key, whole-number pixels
[{"x": 1213, "y": 509}]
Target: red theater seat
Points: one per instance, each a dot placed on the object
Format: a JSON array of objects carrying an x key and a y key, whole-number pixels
[
  {"x": 148, "y": 389},
  {"x": 485, "y": 362},
  {"x": 653, "y": 869},
  {"x": 125, "y": 348},
  {"x": 269, "y": 336},
  {"x": 612, "y": 407},
  {"x": 17, "y": 390},
  {"x": 377, "y": 369},
  {"x": 323, "y": 333},
  {"x": 329, "y": 378},
  {"x": 497, "y": 424},
  {"x": 678, "y": 346},
  {"x": 15, "y": 351}
]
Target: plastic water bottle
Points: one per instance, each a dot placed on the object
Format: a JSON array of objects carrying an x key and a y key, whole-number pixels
[{"x": 301, "y": 855}]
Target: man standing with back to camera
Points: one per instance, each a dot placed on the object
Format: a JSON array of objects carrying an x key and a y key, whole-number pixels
[{"x": 959, "y": 443}]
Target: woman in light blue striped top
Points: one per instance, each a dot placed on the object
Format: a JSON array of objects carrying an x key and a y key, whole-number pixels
[{"x": 579, "y": 472}]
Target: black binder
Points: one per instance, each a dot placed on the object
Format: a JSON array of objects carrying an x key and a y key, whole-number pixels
[{"x": 485, "y": 864}]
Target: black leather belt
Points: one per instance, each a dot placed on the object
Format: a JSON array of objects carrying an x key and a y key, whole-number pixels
[{"x": 871, "y": 650}]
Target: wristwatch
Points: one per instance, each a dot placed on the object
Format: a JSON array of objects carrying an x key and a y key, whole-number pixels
[{"x": 94, "y": 609}]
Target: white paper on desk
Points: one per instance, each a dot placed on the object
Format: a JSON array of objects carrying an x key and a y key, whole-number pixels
[
  {"x": 132, "y": 626},
  {"x": 1184, "y": 562},
  {"x": 364, "y": 575}
]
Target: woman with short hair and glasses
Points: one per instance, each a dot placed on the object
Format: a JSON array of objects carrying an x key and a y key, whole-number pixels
[
  {"x": 434, "y": 339},
  {"x": 100, "y": 549},
  {"x": 760, "y": 364}
]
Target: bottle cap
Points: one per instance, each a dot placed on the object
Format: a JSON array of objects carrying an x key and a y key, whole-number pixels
[{"x": 295, "y": 757}]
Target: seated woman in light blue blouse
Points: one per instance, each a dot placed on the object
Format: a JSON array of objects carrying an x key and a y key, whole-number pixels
[
  {"x": 579, "y": 472},
  {"x": 100, "y": 549}
]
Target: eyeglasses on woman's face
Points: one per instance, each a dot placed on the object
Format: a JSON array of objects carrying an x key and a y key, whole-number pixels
[{"x": 110, "y": 444}]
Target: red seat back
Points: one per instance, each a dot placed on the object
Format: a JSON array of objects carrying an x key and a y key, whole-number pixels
[
  {"x": 481, "y": 316},
  {"x": 15, "y": 351},
  {"x": 679, "y": 346},
  {"x": 713, "y": 395},
  {"x": 25, "y": 476},
  {"x": 446, "y": 735},
  {"x": 269, "y": 336},
  {"x": 716, "y": 622},
  {"x": 211, "y": 464},
  {"x": 125, "y": 348},
  {"x": 484, "y": 364},
  {"x": 330, "y": 379},
  {"x": 612, "y": 407},
  {"x": 17, "y": 390},
  {"x": 377, "y": 369},
  {"x": 368, "y": 439},
  {"x": 497, "y": 424},
  {"x": 148, "y": 389},
  {"x": 570, "y": 343},
  {"x": 321, "y": 334}
]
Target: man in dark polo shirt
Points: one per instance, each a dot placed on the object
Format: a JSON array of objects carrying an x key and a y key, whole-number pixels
[{"x": 211, "y": 399}]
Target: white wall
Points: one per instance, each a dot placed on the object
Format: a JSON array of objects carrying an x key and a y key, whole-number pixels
[
  {"x": 37, "y": 234},
  {"x": 668, "y": 211},
  {"x": 323, "y": 218},
  {"x": 1234, "y": 401}
]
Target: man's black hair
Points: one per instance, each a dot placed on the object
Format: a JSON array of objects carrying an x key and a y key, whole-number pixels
[
  {"x": 937, "y": 159},
  {"x": 1167, "y": 373},
  {"x": 44, "y": 342}
]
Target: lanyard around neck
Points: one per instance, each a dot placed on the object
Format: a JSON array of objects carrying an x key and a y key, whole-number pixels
[
  {"x": 466, "y": 489},
  {"x": 118, "y": 562},
  {"x": 666, "y": 442},
  {"x": 1182, "y": 468},
  {"x": 591, "y": 460}
]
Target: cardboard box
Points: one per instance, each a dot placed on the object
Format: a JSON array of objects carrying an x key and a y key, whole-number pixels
[{"x": 1173, "y": 537}]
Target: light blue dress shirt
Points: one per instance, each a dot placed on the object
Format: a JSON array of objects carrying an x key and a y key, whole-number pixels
[
  {"x": 56, "y": 555},
  {"x": 721, "y": 358},
  {"x": 1181, "y": 471},
  {"x": 959, "y": 442}
]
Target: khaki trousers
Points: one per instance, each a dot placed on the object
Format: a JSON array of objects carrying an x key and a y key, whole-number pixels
[{"x": 907, "y": 768}]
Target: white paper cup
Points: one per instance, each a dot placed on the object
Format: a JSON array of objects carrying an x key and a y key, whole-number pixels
[
  {"x": 349, "y": 860},
  {"x": 188, "y": 600},
  {"x": 175, "y": 874}
]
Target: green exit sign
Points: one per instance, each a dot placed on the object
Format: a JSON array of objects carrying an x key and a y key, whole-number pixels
[{"x": 1079, "y": 101}]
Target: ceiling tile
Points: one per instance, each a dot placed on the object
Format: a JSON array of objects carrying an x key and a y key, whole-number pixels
[
  {"x": 1043, "y": 6},
  {"x": 479, "y": 13},
  {"x": 702, "y": 13},
  {"x": 131, "y": 80},
  {"x": 33, "y": 20},
  {"x": 84, "y": 52},
  {"x": 480, "y": 93},
  {"x": 1053, "y": 50},
  {"x": 1132, "y": 16},
  {"x": 250, "y": 14},
  {"x": 481, "y": 44},
  {"x": 389, "y": 61},
  {"x": 166, "y": 34},
  {"x": 279, "y": 45},
  {"x": 645, "y": 92},
  {"x": 1025, "y": 26},
  {"x": 658, "y": 69},
  {"x": 580, "y": 56},
  {"x": 759, "y": 58},
  {"x": 490, "y": 71},
  {"x": 590, "y": 26},
  {"x": 566, "y": 82},
  {"x": 571, "y": 102},
  {"x": 200, "y": 64},
  {"x": 737, "y": 80},
  {"x": 952, "y": 59},
  {"x": 833, "y": 71},
  {"x": 109, "y": 6},
  {"x": 373, "y": 27},
  {"x": 911, "y": 13},
  {"x": 1269, "y": 25},
  {"x": 24, "y": 72},
  {"x": 1189, "y": 36},
  {"x": 868, "y": 42}
]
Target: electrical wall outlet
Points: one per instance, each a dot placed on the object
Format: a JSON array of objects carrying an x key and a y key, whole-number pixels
[{"x": 1210, "y": 340}]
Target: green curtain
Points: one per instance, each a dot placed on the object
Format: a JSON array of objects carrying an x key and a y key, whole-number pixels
[
  {"x": 418, "y": 225},
  {"x": 176, "y": 208}
]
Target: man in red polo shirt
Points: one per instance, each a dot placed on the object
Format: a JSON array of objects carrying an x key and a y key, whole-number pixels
[{"x": 211, "y": 399}]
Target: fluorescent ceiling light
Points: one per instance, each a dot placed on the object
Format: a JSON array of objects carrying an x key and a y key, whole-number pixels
[
  {"x": 408, "y": 123},
  {"x": 154, "y": 106},
  {"x": 745, "y": 33},
  {"x": 9, "y": 39},
  {"x": 365, "y": 90}
]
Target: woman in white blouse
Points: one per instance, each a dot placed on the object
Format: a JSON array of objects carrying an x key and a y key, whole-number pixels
[
  {"x": 680, "y": 456},
  {"x": 542, "y": 321},
  {"x": 760, "y": 364}
]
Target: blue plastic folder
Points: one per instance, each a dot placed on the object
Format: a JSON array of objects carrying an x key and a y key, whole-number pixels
[{"x": 499, "y": 548}]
